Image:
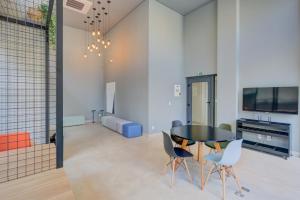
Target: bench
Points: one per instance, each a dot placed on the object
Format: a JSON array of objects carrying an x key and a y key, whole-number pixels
[{"x": 126, "y": 128}]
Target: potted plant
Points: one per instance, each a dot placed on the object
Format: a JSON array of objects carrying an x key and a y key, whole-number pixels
[{"x": 43, "y": 8}]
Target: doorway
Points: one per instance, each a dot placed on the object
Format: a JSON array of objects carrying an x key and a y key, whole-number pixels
[{"x": 201, "y": 100}]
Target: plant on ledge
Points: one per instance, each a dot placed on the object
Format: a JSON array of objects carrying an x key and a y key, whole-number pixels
[{"x": 52, "y": 24}]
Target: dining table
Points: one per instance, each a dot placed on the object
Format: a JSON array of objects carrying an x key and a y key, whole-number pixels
[{"x": 202, "y": 134}]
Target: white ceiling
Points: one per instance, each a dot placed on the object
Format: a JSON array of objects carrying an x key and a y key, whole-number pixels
[
  {"x": 118, "y": 10},
  {"x": 183, "y": 6}
]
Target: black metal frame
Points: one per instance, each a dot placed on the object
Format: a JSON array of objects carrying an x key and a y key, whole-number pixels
[
  {"x": 48, "y": 81},
  {"x": 47, "y": 60},
  {"x": 22, "y": 22},
  {"x": 59, "y": 85},
  {"x": 210, "y": 79}
]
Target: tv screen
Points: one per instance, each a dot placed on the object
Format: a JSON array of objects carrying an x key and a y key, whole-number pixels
[{"x": 271, "y": 99}]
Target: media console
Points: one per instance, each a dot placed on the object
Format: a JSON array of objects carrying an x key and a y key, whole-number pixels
[{"x": 265, "y": 136}]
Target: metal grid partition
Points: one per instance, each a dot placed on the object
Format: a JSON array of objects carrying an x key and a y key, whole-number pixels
[{"x": 29, "y": 93}]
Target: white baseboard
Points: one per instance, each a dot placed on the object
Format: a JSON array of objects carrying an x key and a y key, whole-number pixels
[{"x": 73, "y": 120}]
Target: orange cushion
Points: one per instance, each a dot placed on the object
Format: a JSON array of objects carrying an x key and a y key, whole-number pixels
[{"x": 14, "y": 141}]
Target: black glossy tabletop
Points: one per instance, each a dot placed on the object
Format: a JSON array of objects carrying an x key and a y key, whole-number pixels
[{"x": 203, "y": 133}]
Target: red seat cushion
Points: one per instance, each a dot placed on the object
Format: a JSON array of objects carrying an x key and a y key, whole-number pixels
[{"x": 14, "y": 141}]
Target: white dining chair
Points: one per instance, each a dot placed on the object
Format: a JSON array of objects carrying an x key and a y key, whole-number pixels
[{"x": 223, "y": 164}]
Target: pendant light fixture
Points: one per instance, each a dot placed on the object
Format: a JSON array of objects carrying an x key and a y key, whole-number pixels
[
  {"x": 86, "y": 40},
  {"x": 97, "y": 22}
]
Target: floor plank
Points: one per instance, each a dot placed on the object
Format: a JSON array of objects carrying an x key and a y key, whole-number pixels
[{"x": 48, "y": 185}]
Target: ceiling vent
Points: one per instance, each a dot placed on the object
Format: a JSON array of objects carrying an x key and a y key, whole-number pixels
[{"x": 81, "y": 6}]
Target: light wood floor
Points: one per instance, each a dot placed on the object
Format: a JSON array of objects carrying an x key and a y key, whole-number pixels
[
  {"x": 101, "y": 164},
  {"x": 48, "y": 185},
  {"x": 18, "y": 163}
]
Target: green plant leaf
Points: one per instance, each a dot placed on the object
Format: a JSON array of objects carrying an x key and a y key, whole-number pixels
[{"x": 52, "y": 25}]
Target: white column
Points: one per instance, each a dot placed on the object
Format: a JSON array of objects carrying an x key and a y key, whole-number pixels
[{"x": 228, "y": 61}]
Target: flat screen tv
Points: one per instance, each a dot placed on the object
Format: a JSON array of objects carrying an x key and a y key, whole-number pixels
[{"x": 271, "y": 99}]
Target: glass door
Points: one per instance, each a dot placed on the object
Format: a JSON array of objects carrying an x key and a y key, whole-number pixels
[{"x": 201, "y": 100}]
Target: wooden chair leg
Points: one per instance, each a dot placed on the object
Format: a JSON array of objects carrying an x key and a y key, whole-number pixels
[
  {"x": 198, "y": 153},
  {"x": 187, "y": 170},
  {"x": 236, "y": 180},
  {"x": 173, "y": 172},
  {"x": 184, "y": 144},
  {"x": 166, "y": 166},
  {"x": 178, "y": 163},
  {"x": 223, "y": 174},
  {"x": 217, "y": 147},
  {"x": 209, "y": 173}
]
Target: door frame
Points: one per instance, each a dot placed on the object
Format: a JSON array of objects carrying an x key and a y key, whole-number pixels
[{"x": 211, "y": 80}]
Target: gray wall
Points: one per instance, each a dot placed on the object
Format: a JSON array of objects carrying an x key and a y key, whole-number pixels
[
  {"x": 22, "y": 85},
  {"x": 83, "y": 78},
  {"x": 200, "y": 40},
  {"x": 165, "y": 67},
  {"x": 228, "y": 61},
  {"x": 258, "y": 44},
  {"x": 269, "y": 52},
  {"x": 241, "y": 37},
  {"x": 129, "y": 66}
]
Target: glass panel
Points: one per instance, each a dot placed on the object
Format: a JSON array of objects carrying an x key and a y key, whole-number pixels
[{"x": 199, "y": 103}]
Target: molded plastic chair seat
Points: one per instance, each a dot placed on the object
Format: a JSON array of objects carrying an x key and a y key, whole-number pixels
[
  {"x": 224, "y": 162},
  {"x": 214, "y": 157},
  {"x": 182, "y": 153},
  {"x": 230, "y": 156},
  {"x": 177, "y": 156}
]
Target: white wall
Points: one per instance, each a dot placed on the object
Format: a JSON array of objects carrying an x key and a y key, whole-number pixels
[
  {"x": 165, "y": 67},
  {"x": 200, "y": 40},
  {"x": 83, "y": 78},
  {"x": 129, "y": 66},
  {"x": 269, "y": 52}
]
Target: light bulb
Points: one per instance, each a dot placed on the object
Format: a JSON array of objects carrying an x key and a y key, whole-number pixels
[
  {"x": 84, "y": 55},
  {"x": 93, "y": 46},
  {"x": 108, "y": 42},
  {"x": 98, "y": 40},
  {"x": 98, "y": 32},
  {"x": 96, "y": 48},
  {"x": 105, "y": 46},
  {"x": 99, "y": 54},
  {"x": 88, "y": 47},
  {"x": 103, "y": 42},
  {"x": 91, "y": 50},
  {"x": 93, "y": 33},
  {"x": 111, "y": 60}
]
